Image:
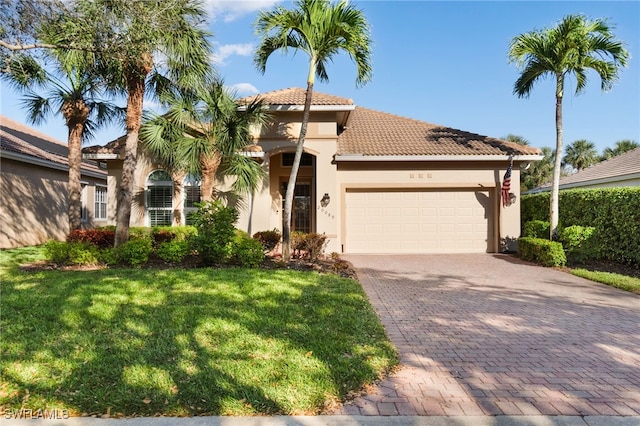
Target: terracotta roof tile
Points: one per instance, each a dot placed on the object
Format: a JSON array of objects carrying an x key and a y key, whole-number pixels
[
  {"x": 295, "y": 96},
  {"x": 113, "y": 147},
  {"x": 376, "y": 133},
  {"x": 618, "y": 166}
]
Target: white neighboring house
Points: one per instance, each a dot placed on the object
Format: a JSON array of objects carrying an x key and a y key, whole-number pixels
[
  {"x": 34, "y": 175},
  {"x": 618, "y": 171}
]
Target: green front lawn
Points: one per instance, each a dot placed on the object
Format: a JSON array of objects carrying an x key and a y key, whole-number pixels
[
  {"x": 624, "y": 282},
  {"x": 139, "y": 342}
]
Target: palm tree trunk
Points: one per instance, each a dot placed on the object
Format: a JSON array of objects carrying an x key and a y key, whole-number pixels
[
  {"x": 288, "y": 200},
  {"x": 135, "y": 88},
  {"x": 75, "y": 161},
  {"x": 555, "y": 188},
  {"x": 209, "y": 166}
]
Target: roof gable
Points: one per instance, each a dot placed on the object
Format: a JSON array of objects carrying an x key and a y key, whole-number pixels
[{"x": 294, "y": 96}]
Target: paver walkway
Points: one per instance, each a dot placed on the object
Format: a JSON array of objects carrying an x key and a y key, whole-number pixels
[{"x": 492, "y": 335}]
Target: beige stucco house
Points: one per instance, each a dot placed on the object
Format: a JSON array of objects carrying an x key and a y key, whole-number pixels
[
  {"x": 373, "y": 182},
  {"x": 34, "y": 177}
]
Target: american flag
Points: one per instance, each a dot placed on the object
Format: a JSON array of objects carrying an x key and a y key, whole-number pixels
[{"x": 506, "y": 185}]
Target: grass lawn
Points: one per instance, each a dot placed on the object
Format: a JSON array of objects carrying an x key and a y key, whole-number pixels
[
  {"x": 131, "y": 342},
  {"x": 624, "y": 282}
]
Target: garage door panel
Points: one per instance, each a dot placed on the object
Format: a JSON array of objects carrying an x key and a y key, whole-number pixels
[{"x": 418, "y": 221}]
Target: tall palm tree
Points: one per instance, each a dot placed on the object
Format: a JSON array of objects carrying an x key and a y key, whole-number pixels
[
  {"x": 141, "y": 47},
  {"x": 204, "y": 132},
  {"x": 620, "y": 148},
  {"x": 70, "y": 90},
  {"x": 322, "y": 30},
  {"x": 570, "y": 48},
  {"x": 580, "y": 154}
]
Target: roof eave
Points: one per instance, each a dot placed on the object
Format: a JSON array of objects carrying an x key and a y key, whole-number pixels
[
  {"x": 48, "y": 163},
  {"x": 100, "y": 156},
  {"x": 371, "y": 158},
  {"x": 590, "y": 182}
]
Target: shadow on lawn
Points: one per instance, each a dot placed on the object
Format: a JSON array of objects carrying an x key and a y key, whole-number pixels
[{"x": 131, "y": 342}]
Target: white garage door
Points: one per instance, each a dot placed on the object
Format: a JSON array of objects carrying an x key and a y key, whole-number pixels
[{"x": 421, "y": 221}]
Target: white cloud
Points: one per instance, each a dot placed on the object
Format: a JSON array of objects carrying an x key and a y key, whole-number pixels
[
  {"x": 230, "y": 10},
  {"x": 244, "y": 89},
  {"x": 226, "y": 50}
]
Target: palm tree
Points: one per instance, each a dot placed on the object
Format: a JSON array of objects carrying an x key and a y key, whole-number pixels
[
  {"x": 620, "y": 148},
  {"x": 141, "y": 47},
  {"x": 570, "y": 48},
  {"x": 76, "y": 94},
  {"x": 321, "y": 30},
  {"x": 204, "y": 132},
  {"x": 520, "y": 140},
  {"x": 580, "y": 154}
]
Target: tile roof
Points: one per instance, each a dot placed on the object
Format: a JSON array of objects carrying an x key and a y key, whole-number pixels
[
  {"x": 113, "y": 147},
  {"x": 295, "y": 96},
  {"x": 621, "y": 166},
  {"x": 17, "y": 138},
  {"x": 375, "y": 133}
]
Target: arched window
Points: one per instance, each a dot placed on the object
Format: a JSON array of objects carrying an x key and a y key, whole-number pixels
[
  {"x": 160, "y": 198},
  {"x": 192, "y": 195}
]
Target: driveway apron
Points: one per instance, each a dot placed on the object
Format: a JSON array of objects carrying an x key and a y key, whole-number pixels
[{"x": 492, "y": 335}]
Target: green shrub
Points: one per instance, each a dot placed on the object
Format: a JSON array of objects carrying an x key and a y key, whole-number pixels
[
  {"x": 613, "y": 212},
  {"x": 108, "y": 256},
  {"x": 541, "y": 251},
  {"x": 578, "y": 243},
  {"x": 269, "y": 239},
  {"x": 246, "y": 251},
  {"x": 101, "y": 238},
  {"x": 174, "y": 251},
  {"x": 216, "y": 228},
  {"x": 134, "y": 252},
  {"x": 536, "y": 229},
  {"x": 162, "y": 234},
  {"x": 74, "y": 253}
]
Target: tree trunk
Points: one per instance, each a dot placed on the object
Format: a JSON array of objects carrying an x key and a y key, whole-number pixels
[
  {"x": 288, "y": 200},
  {"x": 209, "y": 167},
  {"x": 75, "y": 114},
  {"x": 135, "y": 92},
  {"x": 555, "y": 188}
]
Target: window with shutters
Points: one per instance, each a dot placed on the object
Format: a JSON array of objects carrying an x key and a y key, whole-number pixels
[
  {"x": 100, "y": 206},
  {"x": 159, "y": 198},
  {"x": 192, "y": 196}
]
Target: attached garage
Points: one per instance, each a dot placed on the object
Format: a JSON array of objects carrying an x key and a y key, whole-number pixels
[{"x": 419, "y": 221}]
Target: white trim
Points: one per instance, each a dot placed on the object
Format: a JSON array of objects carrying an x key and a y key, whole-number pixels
[
  {"x": 587, "y": 184},
  {"x": 361, "y": 157},
  {"x": 99, "y": 156},
  {"x": 49, "y": 164},
  {"x": 252, "y": 154}
]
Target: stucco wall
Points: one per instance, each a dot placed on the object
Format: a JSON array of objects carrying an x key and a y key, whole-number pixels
[{"x": 33, "y": 207}]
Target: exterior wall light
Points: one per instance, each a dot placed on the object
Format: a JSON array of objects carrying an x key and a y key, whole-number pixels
[{"x": 324, "y": 201}]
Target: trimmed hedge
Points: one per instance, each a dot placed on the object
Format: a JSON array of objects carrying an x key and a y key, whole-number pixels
[
  {"x": 539, "y": 250},
  {"x": 613, "y": 212}
]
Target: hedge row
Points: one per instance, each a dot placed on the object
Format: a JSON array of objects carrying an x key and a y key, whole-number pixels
[
  {"x": 613, "y": 212},
  {"x": 539, "y": 250}
]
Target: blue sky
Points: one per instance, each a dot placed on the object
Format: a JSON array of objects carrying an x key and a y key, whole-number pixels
[{"x": 440, "y": 62}]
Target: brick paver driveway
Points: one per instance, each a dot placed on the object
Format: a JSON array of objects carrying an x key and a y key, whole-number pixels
[{"x": 491, "y": 335}]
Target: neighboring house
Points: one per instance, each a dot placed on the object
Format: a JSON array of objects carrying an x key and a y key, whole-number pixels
[
  {"x": 621, "y": 170},
  {"x": 34, "y": 177},
  {"x": 371, "y": 181}
]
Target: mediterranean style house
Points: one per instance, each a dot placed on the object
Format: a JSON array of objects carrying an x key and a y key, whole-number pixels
[
  {"x": 373, "y": 182},
  {"x": 34, "y": 175}
]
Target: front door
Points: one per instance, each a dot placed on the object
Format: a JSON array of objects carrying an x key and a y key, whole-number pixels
[{"x": 301, "y": 210}]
